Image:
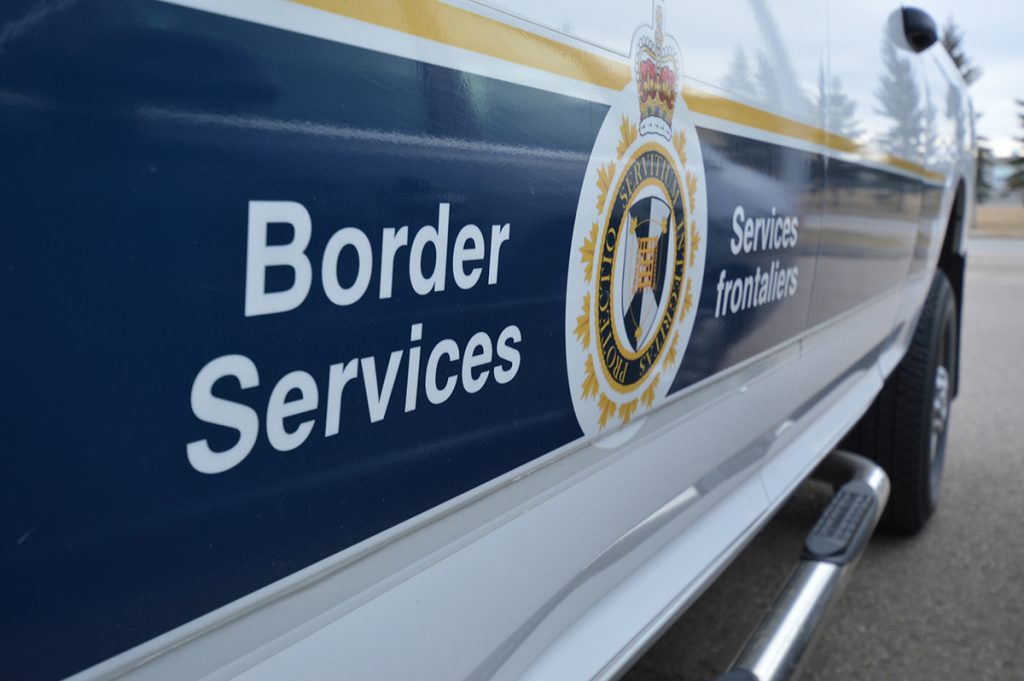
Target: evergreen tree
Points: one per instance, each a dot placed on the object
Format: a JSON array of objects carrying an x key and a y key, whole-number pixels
[
  {"x": 929, "y": 131},
  {"x": 837, "y": 108},
  {"x": 1016, "y": 180},
  {"x": 983, "y": 164},
  {"x": 952, "y": 40},
  {"x": 739, "y": 79},
  {"x": 768, "y": 82},
  {"x": 900, "y": 99}
]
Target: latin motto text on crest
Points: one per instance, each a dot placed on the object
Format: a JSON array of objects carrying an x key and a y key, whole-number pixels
[{"x": 625, "y": 369}]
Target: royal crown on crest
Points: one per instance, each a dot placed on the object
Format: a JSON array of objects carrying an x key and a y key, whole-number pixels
[{"x": 656, "y": 69}]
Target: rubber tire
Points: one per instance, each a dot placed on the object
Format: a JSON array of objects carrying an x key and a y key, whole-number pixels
[{"x": 896, "y": 430}]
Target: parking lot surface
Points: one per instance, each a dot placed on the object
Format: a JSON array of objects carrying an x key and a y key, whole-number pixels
[{"x": 946, "y": 604}]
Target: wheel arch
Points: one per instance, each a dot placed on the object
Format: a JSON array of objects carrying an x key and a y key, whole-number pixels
[{"x": 953, "y": 263}]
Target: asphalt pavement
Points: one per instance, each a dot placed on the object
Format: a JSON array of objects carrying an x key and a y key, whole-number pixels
[{"x": 946, "y": 604}]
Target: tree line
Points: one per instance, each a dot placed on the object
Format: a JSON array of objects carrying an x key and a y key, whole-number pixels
[{"x": 952, "y": 40}]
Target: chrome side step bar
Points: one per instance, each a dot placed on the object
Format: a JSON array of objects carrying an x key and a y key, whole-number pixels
[{"x": 777, "y": 647}]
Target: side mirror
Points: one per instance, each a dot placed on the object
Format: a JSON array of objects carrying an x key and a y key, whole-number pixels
[{"x": 920, "y": 29}]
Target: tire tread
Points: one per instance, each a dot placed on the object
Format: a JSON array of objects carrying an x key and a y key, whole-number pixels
[{"x": 895, "y": 430}]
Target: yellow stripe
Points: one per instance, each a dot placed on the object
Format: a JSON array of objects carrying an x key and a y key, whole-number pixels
[
  {"x": 744, "y": 114},
  {"x": 456, "y": 27},
  {"x": 450, "y": 25},
  {"x": 728, "y": 110},
  {"x": 912, "y": 167}
]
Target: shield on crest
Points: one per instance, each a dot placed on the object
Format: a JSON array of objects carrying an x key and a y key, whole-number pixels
[{"x": 643, "y": 268}]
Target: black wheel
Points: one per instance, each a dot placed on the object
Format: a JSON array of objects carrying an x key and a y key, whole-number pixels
[{"x": 905, "y": 430}]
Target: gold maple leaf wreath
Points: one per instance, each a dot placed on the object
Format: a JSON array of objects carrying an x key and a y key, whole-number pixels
[
  {"x": 590, "y": 387},
  {"x": 627, "y": 135},
  {"x": 605, "y": 174}
]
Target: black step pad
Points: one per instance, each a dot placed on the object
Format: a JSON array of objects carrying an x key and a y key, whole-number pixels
[{"x": 844, "y": 526}]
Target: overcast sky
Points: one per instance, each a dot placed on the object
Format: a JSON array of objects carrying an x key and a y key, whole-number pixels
[{"x": 994, "y": 38}]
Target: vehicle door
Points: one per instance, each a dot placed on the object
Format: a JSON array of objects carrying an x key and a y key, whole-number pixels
[
  {"x": 752, "y": 73},
  {"x": 876, "y": 108},
  {"x": 766, "y": 167}
]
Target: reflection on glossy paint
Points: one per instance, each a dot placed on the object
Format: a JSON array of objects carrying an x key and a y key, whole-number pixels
[
  {"x": 900, "y": 101},
  {"x": 837, "y": 108}
]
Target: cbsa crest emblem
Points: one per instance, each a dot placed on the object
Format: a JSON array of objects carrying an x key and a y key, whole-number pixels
[{"x": 637, "y": 257}]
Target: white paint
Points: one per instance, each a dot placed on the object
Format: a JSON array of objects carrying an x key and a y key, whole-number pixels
[
  {"x": 449, "y": 350},
  {"x": 469, "y": 248},
  {"x": 221, "y": 412},
  {"x": 280, "y": 407},
  {"x": 338, "y": 377},
  {"x": 378, "y": 396},
  {"x": 478, "y": 354},
  {"x": 437, "y": 239},
  {"x": 259, "y": 256},
  {"x": 392, "y": 241},
  {"x": 355, "y": 239}
]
